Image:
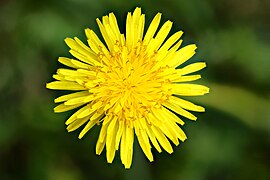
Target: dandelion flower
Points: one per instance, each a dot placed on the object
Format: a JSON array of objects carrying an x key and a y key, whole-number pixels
[{"x": 131, "y": 85}]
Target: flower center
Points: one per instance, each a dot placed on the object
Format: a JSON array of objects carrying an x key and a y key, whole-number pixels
[{"x": 128, "y": 83}]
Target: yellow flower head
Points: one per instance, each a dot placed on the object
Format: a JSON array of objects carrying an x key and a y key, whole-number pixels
[{"x": 129, "y": 85}]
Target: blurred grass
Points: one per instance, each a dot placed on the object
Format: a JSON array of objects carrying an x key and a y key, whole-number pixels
[{"x": 229, "y": 141}]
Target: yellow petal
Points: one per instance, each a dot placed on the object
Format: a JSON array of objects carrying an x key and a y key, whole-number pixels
[
  {"x": 114, "y": 25},
  {"x": 178, "y": 78},
  {"x": 100, "y": 146},
  {"x": 129, "y": 144},
  {"x": 95, "y": 43},
  {"x": 179, "y": 110},
  {"x": 107, "y": 119},
  {"x": 85, "y": 113},
  {"x": 173, "y": 39},
  {"x": 164, "y": 126},
  {"x": 70, "y": 96},
  {"x": 105, "y": 35},
  {"x": 59, "y": 77},
  {"x": 162, "y": 139},
  {"x": 102, "y": 136},
  {"x": 177, "y": 130},
  {"x": 97, "y": 105},
  {"x": 74, "y": 116},
  {"x": 67, "y": 62},
  {"x": 140, "y": 27},
  {"x": 162, "y": 34},
  {"x": 186, "y": 104},
  {"x": 143, "y": 141},
  {"x": 108, "y": 29},
  {"x": 63, "y": 108},
  {"x": 151, "y": 135},
  {"x": 97, "y": 116},
  {"x": 189, "y": 89},
  {"x": 79, "y": 64},
  {"x": 110, "y": 140},
  {"x": 152, "y": 29},
  {"x": 129, "y": 33},
  {"x": 82, "y": 45},
  {"x": 64, "y": 85},
  {"x": 171, "y": 116},
  {"x": 78, "y": 46},
  {"x": 78, "y": 100},
  {"x": 192, "y": 68},
  {"x": 88, "y": 126},
  {"x": 119, "y": 134},
  {"x": 76, "y": 124},
  {"x": 182, "y": 55},
  {"x": 123, "y": 147},
  {"x": 93, "y": 60},
  {"x": 169, "y": 55},
  {"x": 103, "y": 132},
  {"x": 69, "y": 72}
]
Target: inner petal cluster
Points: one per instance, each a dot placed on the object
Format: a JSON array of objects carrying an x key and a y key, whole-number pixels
[{"x": 129, "y": 85}]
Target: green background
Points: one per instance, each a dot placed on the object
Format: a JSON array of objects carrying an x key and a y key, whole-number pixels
[{"x": 230, "y": 141}]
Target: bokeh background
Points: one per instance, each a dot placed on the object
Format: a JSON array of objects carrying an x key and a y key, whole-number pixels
[{"x": 230, "y": 141}]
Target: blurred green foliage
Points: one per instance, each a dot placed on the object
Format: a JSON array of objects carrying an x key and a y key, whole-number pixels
[{"x": 230, "y": 141}]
